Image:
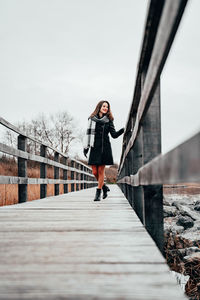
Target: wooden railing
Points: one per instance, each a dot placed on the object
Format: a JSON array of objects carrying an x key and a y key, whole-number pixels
[
  {"x": 143, "y": 170},
  {"x": 81, "y": 175}
]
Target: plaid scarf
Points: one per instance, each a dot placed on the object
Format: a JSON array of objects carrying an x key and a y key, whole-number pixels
[{"x": 90, "y": 133}]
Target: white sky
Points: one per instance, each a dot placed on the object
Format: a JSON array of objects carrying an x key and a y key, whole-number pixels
[{"x": 69, "y": 54}]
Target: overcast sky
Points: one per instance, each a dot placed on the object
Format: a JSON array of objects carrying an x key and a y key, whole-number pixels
[{"x": 69, "y": 54}]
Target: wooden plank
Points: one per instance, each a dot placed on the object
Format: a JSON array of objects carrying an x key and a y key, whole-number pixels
[
  {"x": 88, "y": 286},
  {"x": 182, "y": 164},
  {"x": 168, "y": 25},
  {"x": 49, "y": 245}
]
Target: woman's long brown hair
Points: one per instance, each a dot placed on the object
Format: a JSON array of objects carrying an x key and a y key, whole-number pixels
[{"x": 98, "y": 108}]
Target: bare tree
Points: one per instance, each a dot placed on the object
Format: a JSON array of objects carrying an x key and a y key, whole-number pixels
[
  {"x": 9, "y": 138},
  {"x": 64, "y": 130},
  {"x": 58, "y": 130},
  {"x": 42, "y": 128}
]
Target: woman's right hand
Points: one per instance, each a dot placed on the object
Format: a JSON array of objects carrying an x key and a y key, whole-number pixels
[{"x": 85, "y": 151}]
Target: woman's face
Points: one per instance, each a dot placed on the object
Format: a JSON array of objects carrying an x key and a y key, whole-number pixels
[{"x": 104, "y": 108}]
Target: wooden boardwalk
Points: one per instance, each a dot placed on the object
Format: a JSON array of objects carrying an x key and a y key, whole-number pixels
[{"x": 70, "y": 247}]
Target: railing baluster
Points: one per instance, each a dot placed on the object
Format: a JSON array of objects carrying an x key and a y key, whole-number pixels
[
  {"x": 153, "y": 194},
  {"x": 56, "y": 174},
  {"x": 72, "y": 176},
  {"x": 77, "y": 177},
  {"x": 65, "y": 185},
  {"x": 82, "y": 178},
  {"x": 138, "y": 162},
  {"x": 22, "y": 169},
  {"x": 43, "y": 172}
]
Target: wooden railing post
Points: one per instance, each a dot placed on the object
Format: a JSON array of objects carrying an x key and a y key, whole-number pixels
[
  {"x": 56, "y": 174},
  {"x": 153, "y": 194},
  {"x": 128, "y": 167},
  {"x": 72, "y": 176},
  {"x": 77, "y": 177},
  {"x": 65, "y": 185},
  {"x": 85, "y": 178},
  {"x": 93, "y": 179},
  {"x": 43, "y": 172},
  {"x": 89, "y": 184},
  {"x": 122, "y": 175},
  {"x": 88, "y": 178},
  {"x": 126, "y": 173},
  {"x": 22, "y": 169},
  {"x": 137, "y": 158},
  {"x": 82, "y": 177},
  {"x": 130, "y": 171}
]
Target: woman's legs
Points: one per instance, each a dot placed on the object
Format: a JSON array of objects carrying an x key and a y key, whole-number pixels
[
  {"x": 98, "y": 172},
  {"x": 101, "y": 170},
  {"x": 95, "y": 171}
]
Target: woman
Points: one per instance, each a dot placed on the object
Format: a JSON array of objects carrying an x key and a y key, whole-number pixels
[{"x": 100, "y": 124}]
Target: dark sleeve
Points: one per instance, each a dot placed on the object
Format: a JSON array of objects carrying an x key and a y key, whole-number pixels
[{"x": 113, "y": 132}]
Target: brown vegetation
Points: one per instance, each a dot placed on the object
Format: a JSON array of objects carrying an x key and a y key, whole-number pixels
[
  {"x": 173, "y": 245},
  {"x": 111, "y": 174},
  {"x": 182, "y": 189},
  {"x": 9, "y": 192}
]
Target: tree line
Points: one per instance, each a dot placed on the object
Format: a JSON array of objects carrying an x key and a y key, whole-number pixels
[{"x": 58, "y": 130}]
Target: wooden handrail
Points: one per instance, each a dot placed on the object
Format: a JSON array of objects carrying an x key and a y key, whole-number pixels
[
  {"x": 23, "y": 180},
  {"x": 182, "y": 164},
  {"x": 18, "y": 131},
  {"x": 143, "y": 169},
  {"x": 19, "y": 153},
  {"x": 81, "y": 174},
  {"x": 170, "y": 19}
]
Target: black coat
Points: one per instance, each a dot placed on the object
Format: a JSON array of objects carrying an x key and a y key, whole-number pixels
[{"x": 101, "y": 153}]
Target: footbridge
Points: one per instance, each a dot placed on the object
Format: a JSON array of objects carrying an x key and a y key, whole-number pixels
[{"x": 67, "y": 246}]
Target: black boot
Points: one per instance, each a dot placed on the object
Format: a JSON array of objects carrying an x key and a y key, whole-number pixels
[
  {"x": 105, "y": 190},
  {"x": 98, "y": 195}
]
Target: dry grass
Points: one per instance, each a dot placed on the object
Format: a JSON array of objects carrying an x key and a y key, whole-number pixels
[
  {"x": 182, "y": 189},
  {"x": 9, "y": 192}
]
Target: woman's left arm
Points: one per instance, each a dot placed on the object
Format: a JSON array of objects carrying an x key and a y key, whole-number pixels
[{"x": 115, "y": 134}]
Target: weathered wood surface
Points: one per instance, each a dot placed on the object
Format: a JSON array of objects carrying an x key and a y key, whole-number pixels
[
  {"x": 26, "y": 180},
  {"x": 70, "y": 247},
  {"x": 182, "y": 164}
]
